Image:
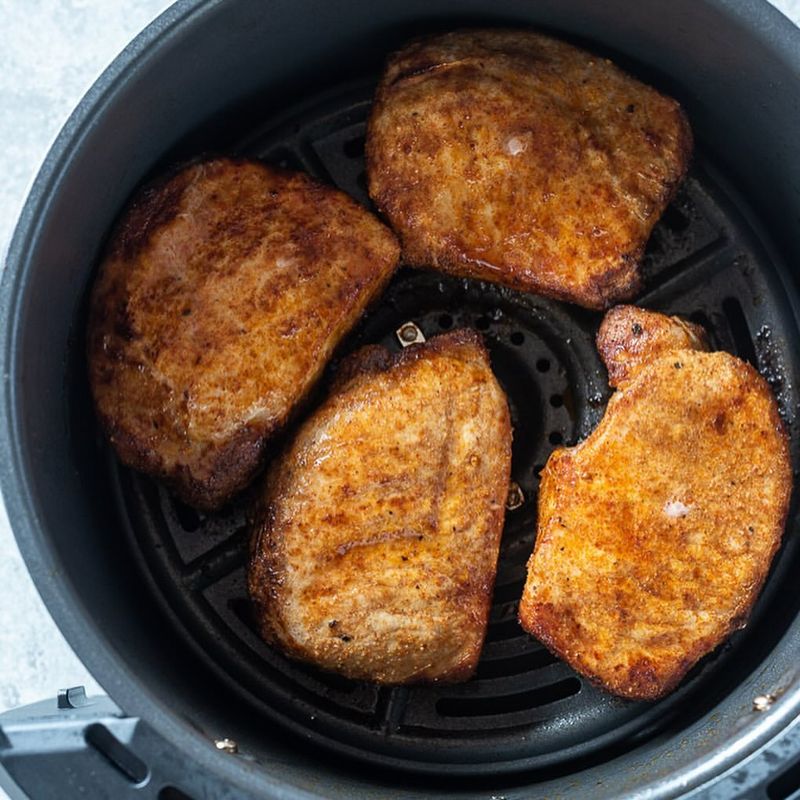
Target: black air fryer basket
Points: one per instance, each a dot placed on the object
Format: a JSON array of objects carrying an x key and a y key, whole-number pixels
[{"x": 151, "y": 594}]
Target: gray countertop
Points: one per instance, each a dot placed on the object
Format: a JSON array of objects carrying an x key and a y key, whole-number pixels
[{"x": 52, "y": 50}]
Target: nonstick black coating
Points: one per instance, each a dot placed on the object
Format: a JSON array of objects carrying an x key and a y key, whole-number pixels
[
  {"x": 525, "y": 709},
  {"x": 155, "y": 619}
]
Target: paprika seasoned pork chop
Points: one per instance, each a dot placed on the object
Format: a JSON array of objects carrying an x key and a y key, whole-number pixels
[
  {"x": 222, "y": 295},
  {"x": 656, "y": 533},
  {"x": 375, "y": 547},
  {"x": 513, "y": 157}
]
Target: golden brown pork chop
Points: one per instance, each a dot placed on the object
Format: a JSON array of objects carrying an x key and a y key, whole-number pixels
[
  {"x": 375, "y": 550},
  {"x": 631, "y": 337},
  {"x": 514, "y": 157},
  {"x": 656, "y": 533},
  {"x": 222, "y": 295}
]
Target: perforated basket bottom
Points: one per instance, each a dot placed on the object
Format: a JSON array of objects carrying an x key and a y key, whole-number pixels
[{"x": 525, "y": 709}]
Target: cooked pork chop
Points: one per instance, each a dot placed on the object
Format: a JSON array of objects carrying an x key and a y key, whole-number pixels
[
  {"x": 631, "y": 337},
  {"x": 514, "y": 157},
  {"x": 223, "y": 292},
  {"x": 656, "y": 533},
  {"x": 375, "y": 549}
]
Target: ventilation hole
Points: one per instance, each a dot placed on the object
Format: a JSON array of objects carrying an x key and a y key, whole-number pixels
[
  {"x": 243, "y": 610},
  {"x": 786, "y": 784},
  {"x": 674, "y": 219},
  {"x": 445, "y": 321},
  {"x": 704, "y": 322},
  {"x": 331, "y": 681},
  {"x": 525, "y": 662},
  {"x": 361, "y": 180},
  {"x": 285, "y": 159},
  {"x": 354, "y": 148},
  {"x": 338, "y": 683},
  {"x": 507, "y": 629},
  {"x": 171, "y": 793},
  {"x": 116, "y": 753},
  {"x": 555, "y": 437},
  {"x": 188, "y": 518},
  {"x": 482, "y": 323},
  {"x": 508, "y": 592},
  {"x": 517, "y": 338},
  {"x": 506, "y": 704},
  {"x": 556, "y": 400},
  {"x": 701, "y": 319},
  {"x": 655, "y": 245},
  {"x": 739, "y": 329},
  {"x": 569, "y": 404},
  {"x": 543, "y": 365}
]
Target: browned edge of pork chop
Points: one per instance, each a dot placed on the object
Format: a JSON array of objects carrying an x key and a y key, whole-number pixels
[
  {"x": 377, "y": 532},
  {"x": 221, "y": 296},
  {"x": 513, "y": 157},
  {"x": 630, "y": 337},
  {"x": 656, "y": 533}
]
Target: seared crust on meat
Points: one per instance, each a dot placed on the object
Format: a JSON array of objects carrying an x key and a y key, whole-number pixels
[
  {"x": 655, "y": 534},
  {"x": 223, "y": 292},
  {"x": 513, "y": 157},
  {"x": 630, "y": 337},
  {"x": 377, "y": 534}
]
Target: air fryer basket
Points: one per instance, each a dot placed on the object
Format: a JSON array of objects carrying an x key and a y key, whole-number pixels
[{"x": 151, "y": 593}]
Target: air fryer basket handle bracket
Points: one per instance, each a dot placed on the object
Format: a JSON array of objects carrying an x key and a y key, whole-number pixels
[{"x": 86, "y": 747}]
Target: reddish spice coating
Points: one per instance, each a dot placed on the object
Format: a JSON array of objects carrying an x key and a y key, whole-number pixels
[
  {"x": 631, "y": 337},
  {"x": 376, "y": 538},
  {"x": 655, "y": 534},
  {"x": 223, "y": 292},
  {"x": 513, "y": 157}
]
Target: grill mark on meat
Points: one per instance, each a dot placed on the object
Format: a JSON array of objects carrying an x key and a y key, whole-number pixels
[{"x": 381, "y": 538}]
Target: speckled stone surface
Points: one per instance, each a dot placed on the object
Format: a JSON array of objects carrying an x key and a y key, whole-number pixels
[{"x": 50, "y": 53}]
